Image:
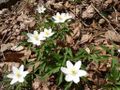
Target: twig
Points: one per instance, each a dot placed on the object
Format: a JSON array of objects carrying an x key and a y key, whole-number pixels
[
  {"x": 116, "y": 14},
  {"x": 104, "y": 18}
]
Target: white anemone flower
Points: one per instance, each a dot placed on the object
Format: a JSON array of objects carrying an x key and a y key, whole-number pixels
[
  {"x": 35, "y": 38},
  {"x": 47, "y": 33},
  {"x": 68, "y": 16},
  {"x": 41, "y": 9},
  {"x": 73, "y": 72},
  {"x": 17, "y": 75},
  {"x": 119, "y": 50},
  {"x": 61, "y": 18}
]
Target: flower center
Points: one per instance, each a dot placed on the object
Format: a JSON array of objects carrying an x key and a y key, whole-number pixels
[
  {"x": 36, "y": 37},
  {"x": 46, "y": 33},
  {"x": 59, "y": 17},
  {"x": 73, "y": 72},
  {"x": 18, "y": 75}
]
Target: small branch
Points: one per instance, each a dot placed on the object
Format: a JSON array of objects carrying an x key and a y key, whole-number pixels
[
  {"x": 116, "y": 14},
  {"x": 104, "y": 18}
]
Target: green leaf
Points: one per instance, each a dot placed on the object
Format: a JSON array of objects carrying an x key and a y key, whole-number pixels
[
  {"x": 68, "y": 86},
  {"x": 60, "y": 78}
]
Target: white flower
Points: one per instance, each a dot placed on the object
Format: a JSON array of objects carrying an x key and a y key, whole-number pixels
[
  {"x": 68, "y": 16},
  {"x": 47, "y": 33},
  {"x": 41, "y": 9},
  {"x": 17, "y": 75},
  {"x": 72, "y": 72},
  {"x": 119, "y": 50},
  {"x": 60, "y": 18},
  {"x": 35, "y": 38}
]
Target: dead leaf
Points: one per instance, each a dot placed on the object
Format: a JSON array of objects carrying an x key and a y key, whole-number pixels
[
  {"x": 9, "y": 65},
  {"x": 5, "y": 47},
  {"x": 27, "y": 54},
  {"x": 39, "y": 85},
  {"x": 85, "y": 38},
  {"x": 87, "y": 50},
  {"x": 17, "y": 48},
  {"x": 76, "y": 30},
  {"x": 113, "y": 36},
  {"x": 89, "y": 12},
  {"x": 69, "y": 39}
]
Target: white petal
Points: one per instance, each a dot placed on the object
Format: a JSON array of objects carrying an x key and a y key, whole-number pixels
[
  {"x": 14, "y": 69},
  {"x": 13, "y": 81},
  {"x": 25, "y": 73},
  {"x": 10, "y": 75},
  {"x": 21, "y": 80},
  {"x": 58, "y": 14},
  {"x": 76, "y": 79},
  {"x": 21, "y": 68},
  {"x": 35, "y": 33},
  {"x": 68, "y": 78},
  {"x": 45, "y": 30},
  {"x": 37, "y": 43},
  {"x": 69, "y": 64},
  {"x": 42, "y": 36},
  {"x": 82, "y": 73},
  {"x": 64, "y": 70},
  {"x": 78, "y": 65},
  {"x": 29, "y": 35},
  {"x": 50, "y": 30}
]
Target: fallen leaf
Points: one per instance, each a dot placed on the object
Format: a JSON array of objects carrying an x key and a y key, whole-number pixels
[
  {"x": 85, "y": 38},
  {"x": 9, "y": 65},
  {"x": 76, "y": 30},
  {"x": 69, "y": 39},
  {"x": 87, "y": 50},
  {"x": 5, "y": 47},
  {"x": 89, "y": 12},
  {"x": 113, "y": 36},
  {"x": 17, "y": 48},
  {"x": 26, "y": 53}
]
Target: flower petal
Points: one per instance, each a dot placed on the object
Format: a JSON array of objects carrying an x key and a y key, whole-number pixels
[
  {"x": 25, "y": 73},
  {"x": 82, "y": 73},
  {"x": 14, "y": 69},
  {"x": 21, "y": 68},
  {"x": 21, "y": 79},
  {"x": 29, "y": 35},
  {"x": 78, "y": 65},
  {"x": 68, "y": 78},
  {"x": 10, "y": 75},
  {"x": 13, "y": 81},
  {"x": 64, "y": 70},
  {"x": 69, "y": 64},
  {"x": 76, "y": 79},
  {"x": 35, "y": 33}
]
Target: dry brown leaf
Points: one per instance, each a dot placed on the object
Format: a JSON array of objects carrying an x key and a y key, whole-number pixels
[
  {"x": 87, "y": 50},
  {"x": 39, "y": 85},
  {"x": 107, "y": 2},
  {"x": 76, "y": 30},
  {"x": 85, "y": 38},
  {"x": 69, "y": 39},
  {"x": 58, "y": 5},
  {"x": 27, "y": 54},
  {"x": 9, "y": 65},
  {"x": 5, "y": 47},
  {"x": 89, "y": 12},
  {"x": 113, "y": 36},
  {"x": 17, "y": 48}
]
